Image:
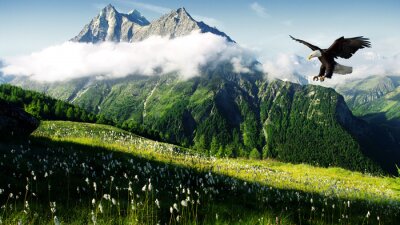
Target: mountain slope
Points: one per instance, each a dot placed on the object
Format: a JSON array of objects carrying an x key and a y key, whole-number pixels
[
  {"x": 110, "y": 25},
  {"x": 94, "y": 167},
  {"x": 373, "y": 95},
  {"x": 224, "y": 113}
]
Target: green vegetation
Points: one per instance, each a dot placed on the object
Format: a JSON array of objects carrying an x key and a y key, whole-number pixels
[
  {"x": 78, "y": 173},
  {"x": 301, "y": 125},
  {"x": 376, "y": 95},
  {"x": 226, "y": 114},
  {"x": 44, "y": 107}
]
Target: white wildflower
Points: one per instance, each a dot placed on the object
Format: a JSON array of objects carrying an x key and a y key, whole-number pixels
[
  {"x": 56, "y": 221},
  {"x": 100, "y": 208},
  {"x": 184, "y": 203},
  {"x": 176, "y": 207}
]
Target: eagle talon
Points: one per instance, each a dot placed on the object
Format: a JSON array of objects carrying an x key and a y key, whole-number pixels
[
  {"x": 321, "y": 78},
  {"x": 315, "y": 78}
]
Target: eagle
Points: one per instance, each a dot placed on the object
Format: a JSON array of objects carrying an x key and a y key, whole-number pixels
[{"x": 341, "y": 47}]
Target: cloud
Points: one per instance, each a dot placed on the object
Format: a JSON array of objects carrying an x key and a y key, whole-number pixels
[
  {"x": 259, "y": 9},
  {"x": 150, "y": 7},
  {"x": 290, "y": 67},
  {"x": 296, "y": 69},
  {"x": 153, "y": 56}
]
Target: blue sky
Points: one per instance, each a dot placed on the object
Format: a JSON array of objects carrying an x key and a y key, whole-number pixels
[{"x": 262, "y": 25}]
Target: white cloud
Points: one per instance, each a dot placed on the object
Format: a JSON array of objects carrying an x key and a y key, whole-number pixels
[
  {"x": 259, "y": 9},
  {"x": 153, "y": 56},
  {"x": 292, "y": 68},
  {"x": 296, "y": 69},
  {"x": 150, "y": 7}
]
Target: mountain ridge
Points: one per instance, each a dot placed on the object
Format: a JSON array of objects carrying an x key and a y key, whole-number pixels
[{"x": 111, "y": 25}]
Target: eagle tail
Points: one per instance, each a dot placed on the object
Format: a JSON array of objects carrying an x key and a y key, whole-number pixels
[{"x": 340, "y": 69}]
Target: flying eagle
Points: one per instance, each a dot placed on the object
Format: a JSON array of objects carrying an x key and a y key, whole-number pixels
[{"x": 342, "y": 47}]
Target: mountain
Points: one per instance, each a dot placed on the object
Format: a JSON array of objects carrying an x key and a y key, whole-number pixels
[
  {"x": 373, "y": 95},
  {"x": 229, "y": 114},
  {"x": 225, "y": 113},
  {"x": 110, "y": 25}
]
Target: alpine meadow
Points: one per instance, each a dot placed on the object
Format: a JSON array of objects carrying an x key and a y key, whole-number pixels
[{"x": 163, "y": 118}]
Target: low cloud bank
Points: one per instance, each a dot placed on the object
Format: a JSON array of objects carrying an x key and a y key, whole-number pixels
[
  {"x": 185, "y": 55},
  {"x": 297, "y": 69},
  {"x": 153, "y": 56}
]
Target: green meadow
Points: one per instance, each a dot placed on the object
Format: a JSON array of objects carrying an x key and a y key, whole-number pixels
[{"x": 81, "y": 173}]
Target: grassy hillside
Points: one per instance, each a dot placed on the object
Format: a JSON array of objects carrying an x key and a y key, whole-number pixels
[
  {"x": 376, "y": 95},
  {"x": 222, "y": 113},
  {"x": 95, "y": 174}
]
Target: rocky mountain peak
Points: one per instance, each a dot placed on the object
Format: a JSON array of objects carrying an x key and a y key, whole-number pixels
[{"x": 110, "y": 25}]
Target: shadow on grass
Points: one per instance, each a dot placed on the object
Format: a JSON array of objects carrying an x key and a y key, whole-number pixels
[{"x": 65, "y": 172}]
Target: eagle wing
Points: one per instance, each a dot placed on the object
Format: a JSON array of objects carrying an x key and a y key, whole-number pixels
[
  {"x": 313, "y": 47},
  {"x": 346, "y": 47}
]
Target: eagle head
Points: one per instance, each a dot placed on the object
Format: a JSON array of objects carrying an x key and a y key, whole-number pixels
[{"x": 316, "y": 53}]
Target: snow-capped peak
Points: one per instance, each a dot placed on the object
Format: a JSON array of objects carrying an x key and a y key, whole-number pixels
[{"x": 110, "y": 25}]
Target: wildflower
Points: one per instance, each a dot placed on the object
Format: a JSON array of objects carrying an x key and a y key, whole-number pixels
[
  {"x": 216, "y": 216},
  {"x": 333, "y": 206},
  {"x": 348, "y": 204},
  {"x": 93, "y": 202},
  {"x": 94, "y": 186},
  {"x": 56, "y": 221},
  {"x": 93, "y": 218},
  {"x": 177, "y": 218},
  {"x": 157, "y": 203},
  {"x": 144, "y": 188},
  {"x": 149, "y": 187},
  {"x": 114, "y": 202},
  {"x": 184, "y": 203},
  {"x": 377, "y": 218},
  {"x": 171, "y": 210},
  {"x": 53, "y": 207},
  {"x": 100, "y": 208},
  {"x": 107, "y": 196},
  {"x": 176, "y": 207},
  {"x": 368, "y": 214},
  {"x": 312, "y": 208},
  {"x": 311, "y": 200},
  {"x": 87, "y": 180}
]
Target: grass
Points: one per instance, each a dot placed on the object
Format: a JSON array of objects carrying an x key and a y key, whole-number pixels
[{"x": 89, "y": 165}]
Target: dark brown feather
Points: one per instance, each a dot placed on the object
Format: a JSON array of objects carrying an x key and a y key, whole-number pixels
[
  {"x": 346, "y": 47},
  {"x": 313, "y": 47}
]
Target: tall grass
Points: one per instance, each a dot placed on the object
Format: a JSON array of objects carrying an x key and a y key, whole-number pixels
[{"x": 74, "y": 173}]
